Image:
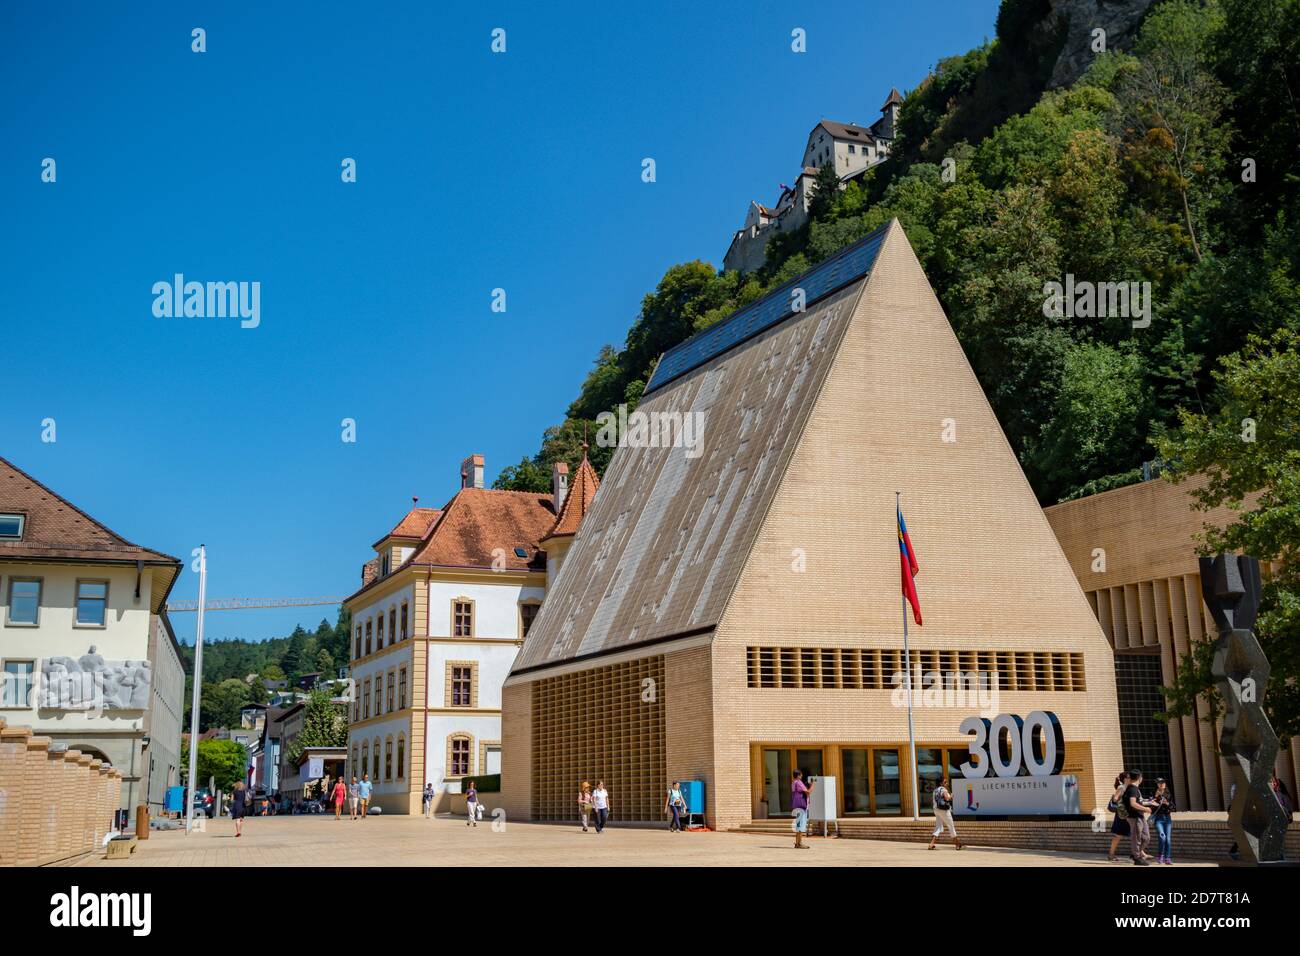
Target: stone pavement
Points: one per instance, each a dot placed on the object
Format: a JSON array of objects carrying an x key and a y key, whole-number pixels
[{"x": 415, "y": 841}]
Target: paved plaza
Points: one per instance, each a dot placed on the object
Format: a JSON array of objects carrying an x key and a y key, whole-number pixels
[{"x": 415, "y": 841}]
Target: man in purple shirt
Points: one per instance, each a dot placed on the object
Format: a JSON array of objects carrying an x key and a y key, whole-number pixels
[{"x": 799, "y": 792}]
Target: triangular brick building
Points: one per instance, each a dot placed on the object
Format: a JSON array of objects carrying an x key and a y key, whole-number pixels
[{"x": 730, "y": 614}]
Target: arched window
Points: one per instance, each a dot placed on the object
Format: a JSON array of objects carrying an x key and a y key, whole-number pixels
[
  {"x": 401, "y": 756},
  {"x": 374, "y": 772},
  {"x": 388, "y": 759},
  {"x": 353, "y": 768},
  {"x": 365, "y": 758}
]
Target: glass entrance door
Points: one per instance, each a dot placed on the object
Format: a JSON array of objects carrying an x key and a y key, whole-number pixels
[
  {"x": 779, "y": 764},
  {"x": 776, "y": 781}
]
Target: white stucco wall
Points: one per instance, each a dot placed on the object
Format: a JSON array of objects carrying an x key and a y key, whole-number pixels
[
  {"x": 496, "y": 607},
  {"x": 124, "y": 636}
]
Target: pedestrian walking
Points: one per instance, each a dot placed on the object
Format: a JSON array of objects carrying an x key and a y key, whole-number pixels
[
  {"x": 427, "y": 801},
  {"x": 941, "y": 798},
  {"x": 354, "y": 796},
  {"x": 363, "y": 793},
  {"x": 238, "y": 804},
  {"x": 1119, "y": 829},
  {"x": 675, "y": 803},
  {"x": 1139, "y": 833},
  {"x": 471, "y": 805},
  {"x": 1162, "y": 810},
  {"x": 584, "y": 803},
  {"x": 600, "y": 804},
  {"x": 340, "y": 797},
  {"x": 799, "y": 792}
]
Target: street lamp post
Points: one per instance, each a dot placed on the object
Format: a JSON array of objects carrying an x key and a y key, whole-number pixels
[{"x": 194, "y": 698}]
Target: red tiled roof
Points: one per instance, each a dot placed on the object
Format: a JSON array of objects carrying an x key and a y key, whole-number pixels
[
  {"x": 56, "y": 528},
  {"x": 415, "y": 524},
  {"x": 479, "y": 521},
  {"x": 582, "y": 489}
]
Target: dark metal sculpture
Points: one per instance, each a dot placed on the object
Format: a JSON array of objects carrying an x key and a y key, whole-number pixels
[{"x": 1230, "y": 585}]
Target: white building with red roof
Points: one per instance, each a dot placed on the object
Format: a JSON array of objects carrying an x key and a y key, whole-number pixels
[{"x": 442, "y": 611}]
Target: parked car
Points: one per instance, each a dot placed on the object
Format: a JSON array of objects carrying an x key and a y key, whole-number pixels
[{"x": 204, "y": 802}]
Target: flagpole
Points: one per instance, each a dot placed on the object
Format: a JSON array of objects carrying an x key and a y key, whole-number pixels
[
  {"x": 907, "y": 670},
  {"x": 194, "y": 698}
]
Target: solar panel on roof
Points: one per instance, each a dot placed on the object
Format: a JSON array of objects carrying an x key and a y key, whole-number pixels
[{"x": 847, "y": 265}]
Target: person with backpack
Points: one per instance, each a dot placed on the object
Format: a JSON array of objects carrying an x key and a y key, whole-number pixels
[
  {"x": 1119, "y": 825},
  {"x": 426, "y": 800},
  {"x": 941, "y": 798},
  {"x": 584, "y": 804},
  {"x": 676, "y": 803}
]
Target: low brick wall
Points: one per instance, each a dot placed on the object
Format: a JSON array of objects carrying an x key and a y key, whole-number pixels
[
  {"x": 55, "y": 804},
  {"x": 1193, "y": 838}
]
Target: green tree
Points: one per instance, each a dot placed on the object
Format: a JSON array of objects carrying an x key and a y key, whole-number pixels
[
  {"x": 219, "y": 704},
  {"x": 323, "y": 725},
  {"x": 292, "y": 661},
  {"x": 1249, "y": 455},
  {"x": 1171, "y": 107},
  {"x": 222, "y": 761}
]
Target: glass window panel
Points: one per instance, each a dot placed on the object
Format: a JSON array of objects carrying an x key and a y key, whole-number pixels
[
  {"x": 884, "y": 766},
  {"x": 11, "y": 526},
  {"x": 776, "y": 782},
  {"x": 92, "y": 602},
  {"x": 24, "y": 601},
  {"x": 17, "y": 684},
  {"x": 857, "y": 781},
  {"x": 929, "y": 772}
]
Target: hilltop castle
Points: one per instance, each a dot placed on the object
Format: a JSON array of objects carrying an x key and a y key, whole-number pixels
[{"x": 850, "y": 148}]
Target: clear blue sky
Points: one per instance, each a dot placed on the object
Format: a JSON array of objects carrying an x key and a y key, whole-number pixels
[{"x": 475, "y": 171}]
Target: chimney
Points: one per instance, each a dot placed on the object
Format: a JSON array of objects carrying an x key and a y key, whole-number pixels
[
  {"x": 559, "y": 484},
  {"x": 471, "y": 472}
]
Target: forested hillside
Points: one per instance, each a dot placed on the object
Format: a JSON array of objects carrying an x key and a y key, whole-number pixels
[
  {"x": 228, "y": 664},
  {"x": 1170, "y": 163}
]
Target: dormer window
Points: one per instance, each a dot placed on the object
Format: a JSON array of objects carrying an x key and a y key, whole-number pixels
[
  {"x": 11, "y": 527},
  {"x": 384, "y": 565}
]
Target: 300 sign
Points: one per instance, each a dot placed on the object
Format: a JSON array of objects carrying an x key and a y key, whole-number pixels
[{"x": 1035, "y": 744}]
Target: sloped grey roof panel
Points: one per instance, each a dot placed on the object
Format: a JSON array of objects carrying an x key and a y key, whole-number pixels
[{"x": 668, "y": 532}]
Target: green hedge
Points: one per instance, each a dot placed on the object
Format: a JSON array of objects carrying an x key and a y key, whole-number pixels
[{"x": 488, "y": 783}]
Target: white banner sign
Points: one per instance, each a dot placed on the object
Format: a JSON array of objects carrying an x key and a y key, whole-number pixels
[
  {"x": 315, "y": 767},
  {"x": 1000, "y": 796}
]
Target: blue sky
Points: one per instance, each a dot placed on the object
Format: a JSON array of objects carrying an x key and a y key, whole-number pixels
[{"x": 475, "y": 171}]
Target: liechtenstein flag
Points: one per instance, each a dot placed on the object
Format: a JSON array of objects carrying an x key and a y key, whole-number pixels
[{"x": 907, "y": 558}]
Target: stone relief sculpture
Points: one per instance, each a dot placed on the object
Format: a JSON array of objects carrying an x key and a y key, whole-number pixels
[
  {"x": 92, "y": 683},
  {"x": 1230, "y": 585}
]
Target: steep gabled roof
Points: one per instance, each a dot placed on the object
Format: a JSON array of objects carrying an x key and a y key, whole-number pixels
[
  {"x": 54, "y": 529},
  {"x": 662, "y": 546},
  {"x": 848, "y": 131},
  {"x": 414, "y": 524},
  {"x": 894, "y": 99},
  {"x": 482, "y": 525},
  {"x": 480, "y": 528},
  {"x": 576, "y": 504}
]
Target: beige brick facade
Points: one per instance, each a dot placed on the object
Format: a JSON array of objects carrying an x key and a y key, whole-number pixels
[
  {"x": 823, "y": 572},
  {"x": 1134, "y": 552},
  {"x": 55, "y": 804}
]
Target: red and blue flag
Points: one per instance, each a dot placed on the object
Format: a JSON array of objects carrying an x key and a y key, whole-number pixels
[{"x": 907, "y": 558}]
